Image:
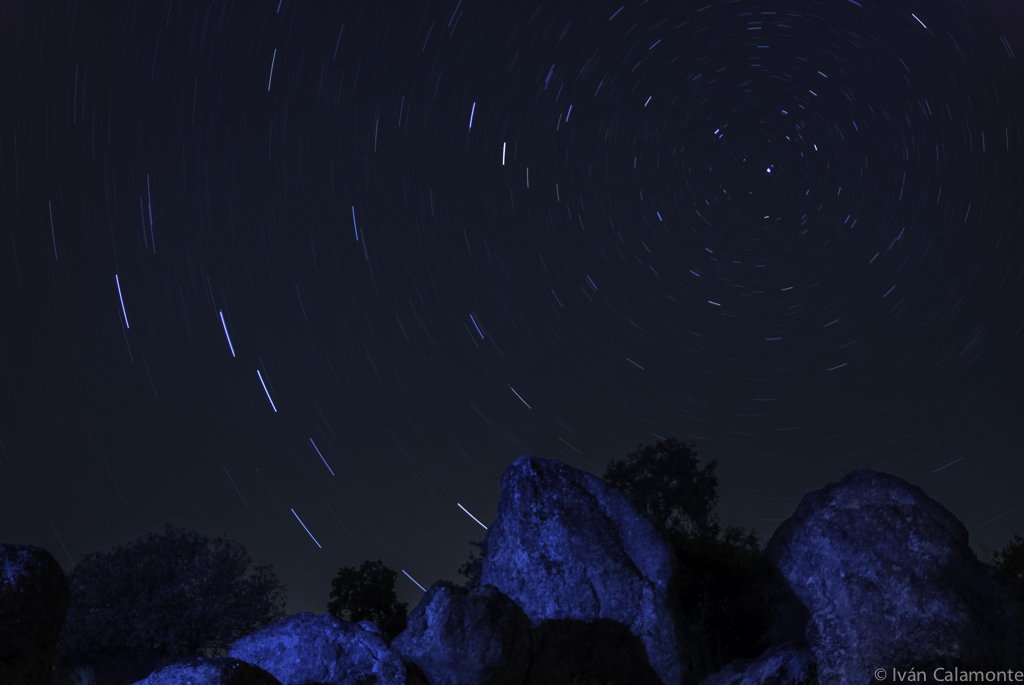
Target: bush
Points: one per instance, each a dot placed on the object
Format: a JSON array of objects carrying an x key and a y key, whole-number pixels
[
  {"x": 368, "y": 594},
  {"x": 163, "y": 598},
  {"x": 474, "y": 567}
]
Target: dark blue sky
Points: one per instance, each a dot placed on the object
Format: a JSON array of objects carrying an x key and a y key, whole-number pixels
[{"x": 445, "y": 235}]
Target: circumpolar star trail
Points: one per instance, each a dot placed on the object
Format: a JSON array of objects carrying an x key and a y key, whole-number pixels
[
  {"x": 271, "y": 77},
  {"x": 520, "y": 398},
  {"x": 226, "y": 334},
  {"x": 306, "y": 529},
  {"x": 806, "y": 250},
  {"x": 411, "y": 578},
  {"x": 266, "y": 391},
  {"x": 321, "y": 456},
  {"x": 471, "y": 516},
  {"x": 120, "y": 297}
]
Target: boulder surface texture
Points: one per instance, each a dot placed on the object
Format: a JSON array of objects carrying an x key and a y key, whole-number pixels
[
  {"x": 777, "y": 666},
  {"x": 566, "y": 545},
  {"x": 210, "y": 671},
  {"x": 462, "y": 637},
  {"x": 889, "y": 581},
  {"x": 308, "y": 648},
  {"x": 34, "y": 599}
]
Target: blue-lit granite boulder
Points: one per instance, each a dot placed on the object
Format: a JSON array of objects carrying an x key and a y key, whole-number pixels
[
  {"x": 777, "y": 666},
  {"x": 372, "y": 627},
  {"x": 210, "y": 671},
  {"x": 308, "y": 648},
  {"x": 34, "y": 598},
  {"x": 462, "y": 637},
  {"x": 889, "y": 581},
  {"x": 566, "y": 545}
]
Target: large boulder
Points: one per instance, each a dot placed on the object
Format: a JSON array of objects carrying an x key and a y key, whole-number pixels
[
  {"x": 566, "y": 545},
  {"x": 307, "y": 648},
  {"x": 210, "y": 671},
  {"x": 889, "y": 581},
  {"x": 779, "y": 665},
  {"x": 34, "y": 598},
  {"x": 462, "y": 637}
]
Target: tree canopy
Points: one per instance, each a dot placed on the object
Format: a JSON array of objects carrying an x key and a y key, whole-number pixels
[
  {"x": 173, "y": 595},
  {"x": 368, "y": 594},
  {"x": 669, "y": 487}
]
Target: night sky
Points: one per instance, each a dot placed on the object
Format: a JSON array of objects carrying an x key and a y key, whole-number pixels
[{"x": 310, "y": 275}]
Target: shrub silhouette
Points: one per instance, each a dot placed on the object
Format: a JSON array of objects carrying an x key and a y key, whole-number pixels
[
  {"x": 368, "y": 594},
  {"x": 474, "y": 566},
  {"x": 163, "y": 598}
]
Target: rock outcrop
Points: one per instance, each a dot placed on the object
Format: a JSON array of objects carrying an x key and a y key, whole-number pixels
[
  {"x": 462, "y": 637},
  {"x": 577, "y": 587},
  {"x": 212, "y": 671},
  {"x": 34, "y": 599},
  {"x": 777, "y": 666},
  {"x": 308, "y": 648},
  {"x": 889, "y": 581},
  {"x": 566, "y": 545}
]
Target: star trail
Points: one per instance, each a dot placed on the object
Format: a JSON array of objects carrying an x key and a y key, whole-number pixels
[{"x": 790, "y": 233}]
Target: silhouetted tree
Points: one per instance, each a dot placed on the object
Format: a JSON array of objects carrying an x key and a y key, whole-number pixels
[
  {"x": 368, "y": 594},
  {"x": 163, "y": 598},
  {"x": 724, "y": 585},
  {"x": 474, "y": 566},
  {"x": 669, "y": 487}
]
